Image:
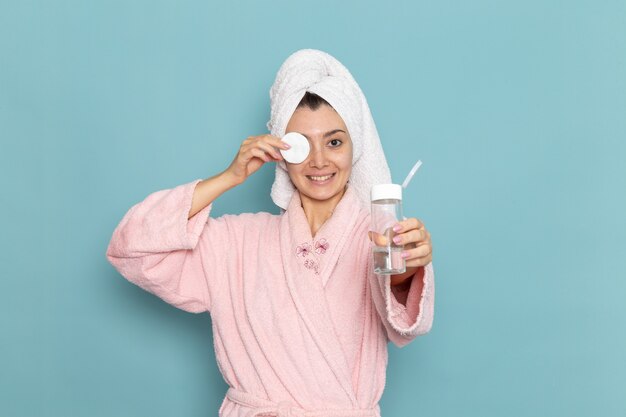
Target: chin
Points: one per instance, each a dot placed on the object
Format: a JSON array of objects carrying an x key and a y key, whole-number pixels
[{"x": 322, "y": 194}]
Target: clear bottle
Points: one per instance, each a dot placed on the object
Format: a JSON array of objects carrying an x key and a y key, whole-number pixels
[{"x": 386, "y": 212}]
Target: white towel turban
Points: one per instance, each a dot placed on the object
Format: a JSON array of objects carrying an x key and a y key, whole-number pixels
[{"x": 320, "y": 73}]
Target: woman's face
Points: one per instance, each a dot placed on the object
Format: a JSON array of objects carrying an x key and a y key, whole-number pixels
[{"x": 325, "y": 172}]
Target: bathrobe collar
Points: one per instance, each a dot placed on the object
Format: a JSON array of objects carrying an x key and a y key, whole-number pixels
[
  {"x": 318, "y": 255},
  {"x": 308, "y": 265}
]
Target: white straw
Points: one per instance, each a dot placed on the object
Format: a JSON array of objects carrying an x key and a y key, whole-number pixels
[{"x": 409, "y": 177}]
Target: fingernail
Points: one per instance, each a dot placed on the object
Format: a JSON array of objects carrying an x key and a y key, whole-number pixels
[
  {"x": 397, "y": 228},
  {"x": 396, "y": 239},
  {"x": 405, "y": 255},
  {"x": 286, "y": 145}
]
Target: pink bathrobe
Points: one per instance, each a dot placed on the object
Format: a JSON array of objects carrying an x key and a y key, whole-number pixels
[{"x": 300, "y": 323}]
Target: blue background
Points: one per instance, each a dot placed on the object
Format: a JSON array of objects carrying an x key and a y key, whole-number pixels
[{"x": 517, "y": 110}]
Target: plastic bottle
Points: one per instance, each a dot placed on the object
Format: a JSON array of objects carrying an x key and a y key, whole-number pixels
[{"x": 386, "y": 213}]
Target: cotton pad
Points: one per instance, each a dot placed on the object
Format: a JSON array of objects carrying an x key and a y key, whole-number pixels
[{"x": 299, "y": 150}]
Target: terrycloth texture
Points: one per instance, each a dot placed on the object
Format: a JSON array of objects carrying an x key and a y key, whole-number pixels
[
  {"x": 320, "y": 73},
  {"x": 300, "y": 323}
]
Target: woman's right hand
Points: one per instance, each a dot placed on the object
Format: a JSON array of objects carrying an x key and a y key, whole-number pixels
[{"x": 253, "y": 153}]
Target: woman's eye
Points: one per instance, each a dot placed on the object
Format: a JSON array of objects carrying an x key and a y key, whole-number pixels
[{"x": 335, "y": 142}]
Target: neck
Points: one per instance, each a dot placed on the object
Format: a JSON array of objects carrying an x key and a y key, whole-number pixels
[{"x": 317, "y": 212}]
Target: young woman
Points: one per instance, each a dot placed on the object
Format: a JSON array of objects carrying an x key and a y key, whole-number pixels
[{"x": 300, "y": 321}]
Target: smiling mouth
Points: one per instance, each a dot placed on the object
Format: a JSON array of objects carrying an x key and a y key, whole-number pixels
[{"x": 320, "y": 178}]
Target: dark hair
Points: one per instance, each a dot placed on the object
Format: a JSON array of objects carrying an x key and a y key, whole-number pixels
[{"x": 312, "y": 101}]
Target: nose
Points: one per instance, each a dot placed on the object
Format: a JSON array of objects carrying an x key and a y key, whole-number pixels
[{"x": 318, "y": 158}]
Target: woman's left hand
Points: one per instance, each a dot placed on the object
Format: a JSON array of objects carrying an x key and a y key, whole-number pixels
[{"x": 412, "y": 233}]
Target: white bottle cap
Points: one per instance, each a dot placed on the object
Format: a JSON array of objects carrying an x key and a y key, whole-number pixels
[
  {"x": 299, "y": 150},
  {"x": 386, "y": 192}
]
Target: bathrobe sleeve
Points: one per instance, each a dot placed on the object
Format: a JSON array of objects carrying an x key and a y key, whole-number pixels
[
  {"x": 157, "y": 248},
  {"x": 409, "y": 313}
]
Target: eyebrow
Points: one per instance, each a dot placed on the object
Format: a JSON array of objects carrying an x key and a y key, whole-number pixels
[{"x": 327, "y": 134}]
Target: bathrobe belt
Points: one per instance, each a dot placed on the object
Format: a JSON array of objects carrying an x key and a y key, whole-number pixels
[{"x": 286, "y": 409}]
